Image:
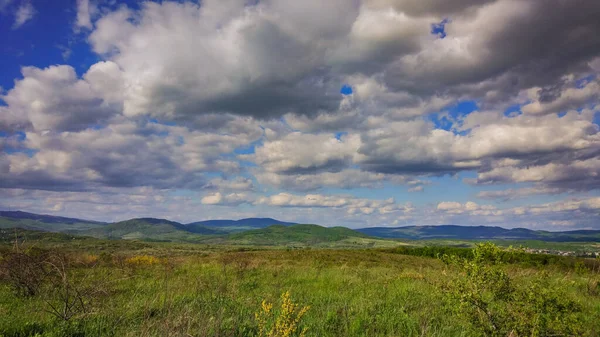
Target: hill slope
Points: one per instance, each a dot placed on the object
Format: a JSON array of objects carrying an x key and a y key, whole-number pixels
[
  {"x": 236, "y": 226},
  {"x": 302, "y": 236},
  {"x": 41, "y": 222},
  {"x": 478, "y": 233},
  {"x": 144, "y": 229}
]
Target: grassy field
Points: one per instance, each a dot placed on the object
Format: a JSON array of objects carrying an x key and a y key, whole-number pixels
[{"x": 132, "y": 288}]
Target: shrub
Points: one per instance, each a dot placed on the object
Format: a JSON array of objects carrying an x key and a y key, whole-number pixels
[
  {"x": 492, "y": 303},
  {"x": 285, "y": 323},
  {"x": 580, "y": 268},
  {"x": 142, "y": 260},
  {"x": 25, "y": 272},
  {"x": 66, "y": 296}
]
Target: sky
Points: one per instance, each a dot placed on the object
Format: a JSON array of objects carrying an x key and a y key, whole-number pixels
[{"x": 340, "y": 113}]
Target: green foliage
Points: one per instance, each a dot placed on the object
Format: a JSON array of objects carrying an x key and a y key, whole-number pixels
[
  {"x": 484, "y": 295},
  {"x": 509, "y": 256}
]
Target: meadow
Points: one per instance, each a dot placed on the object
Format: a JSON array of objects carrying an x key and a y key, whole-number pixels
[{"x": 90, "y": 287}]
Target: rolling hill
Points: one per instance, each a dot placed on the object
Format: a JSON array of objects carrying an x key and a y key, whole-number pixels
[
  {"x": 48, "y": 223},
  {"x": 144, "y": 229},
  {"x": 9, "y": 235},
  {"x": 478, "y": 233},
  {"x": 268, "y": 231},
  {"x": 236, "y": 226},
  {"x": 302, "y": 236}
]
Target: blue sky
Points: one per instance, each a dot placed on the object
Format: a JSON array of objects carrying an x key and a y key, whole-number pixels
[{"x": 392, "y": 115}]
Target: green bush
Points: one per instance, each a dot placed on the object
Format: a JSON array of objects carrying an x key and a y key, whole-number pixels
[{"x": 493, "y": 304}]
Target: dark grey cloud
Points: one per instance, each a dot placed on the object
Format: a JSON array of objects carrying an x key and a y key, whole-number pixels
[
  {"x": 511, "y": 44},
  {"x": 432, "y": 7}
]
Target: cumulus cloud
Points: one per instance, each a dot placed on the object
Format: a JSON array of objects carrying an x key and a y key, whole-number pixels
[
  {"x": 297, "y": 152},
  {"x": 512, "y": 193},
  {"x": 565, "y": 100},
  {"x": 278, "y": 57},
  {"x": 261, "y": 64},
  {"x": 498, "y": 47},
  {"x": 500, "y": 144},
  {"x": 347, "y": 179},
  {"x": 470, "y": 207},
  {"x": 558, "y": 215},
  {"x": 250, "y": 93},
  {"x": 54, "y": 99},
  {"x": 351, "y": 204},
  {"x": 122, "y": 154},
  {"x": 573, "y": 175},
  {"x": 231, "y": 199}
]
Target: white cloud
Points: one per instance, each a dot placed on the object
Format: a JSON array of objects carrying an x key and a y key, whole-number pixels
[
  {"x": 348, "y": 179},
  {"x": 415, "y": 146},
  {"x": 297, "y": 152},
  {"x": 419, "y": 188},
  {"x": 85, "y": 9},
  {"x": 123, "y": 154},
  {"x": 164, "y": 48},
  {"x": 236, "y": 184},
  {"x": 352, "y": 204},
  {"x": 231, "y": 199},
  {"x": 511, "y": 193},
  {"x": 453, "y": 207},
  {"x": 568, "y": 99},
  {"x": 55, "y": 99},
  {"x": 24, "y": 13}
]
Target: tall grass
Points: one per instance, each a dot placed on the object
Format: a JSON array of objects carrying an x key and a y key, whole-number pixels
[{"x": 217, "y": 293}]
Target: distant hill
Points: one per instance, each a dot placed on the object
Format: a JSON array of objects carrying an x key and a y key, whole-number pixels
[
  {"x": 478, "y": 233},
  {"x": 48, "y": 223},
  {"x": 44, "y": 218},
  {"x": 151, "y": 229},
  {"x": 144, "y": 229},
  {"x": 235, "y": 226},
  {"x": 268, "y": 231},
  {"x": 301, "y": 236},
  {"x": 8, "y": 236}
]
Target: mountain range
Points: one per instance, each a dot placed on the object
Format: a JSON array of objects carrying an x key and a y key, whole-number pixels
[
  {"x": 478, "y": 233},
  {"x": 268, "y": 231}
]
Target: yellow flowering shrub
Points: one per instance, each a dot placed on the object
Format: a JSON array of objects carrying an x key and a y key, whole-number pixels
[
  {"x": 285, "y": 323},
  {"x": 142, "y": 260}
]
